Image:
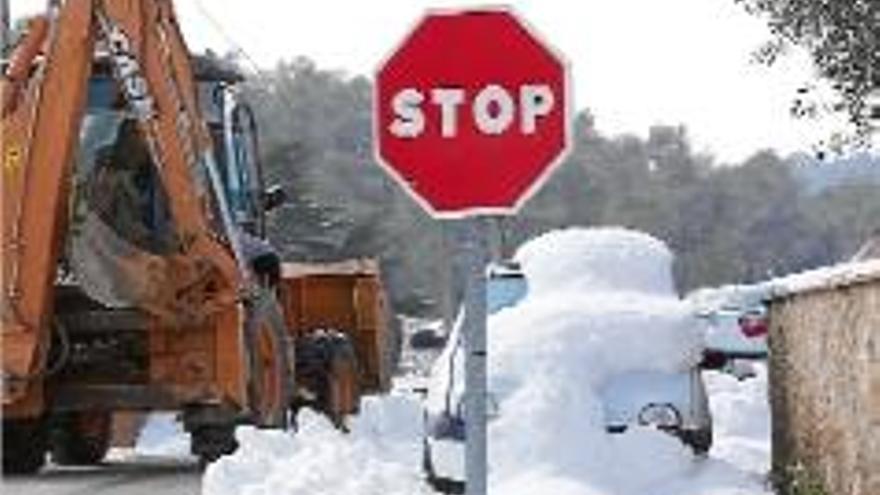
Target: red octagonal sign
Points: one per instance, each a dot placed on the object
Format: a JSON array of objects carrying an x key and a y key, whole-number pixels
[{"x": 472, "y": 112}]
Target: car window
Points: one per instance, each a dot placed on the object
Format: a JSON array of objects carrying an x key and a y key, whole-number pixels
[{"x": 504, "y": 291}]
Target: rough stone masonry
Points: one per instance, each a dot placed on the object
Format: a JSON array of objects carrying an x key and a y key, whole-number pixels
[{"x": 825, "y": 386}]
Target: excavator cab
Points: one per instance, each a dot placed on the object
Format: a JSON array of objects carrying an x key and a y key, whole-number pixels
[{"x": 233, "y": 129}]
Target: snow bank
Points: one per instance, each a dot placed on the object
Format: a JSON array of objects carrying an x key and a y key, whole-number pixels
[
  {"x": 381, "y": 455},
  {"x": 163, "y": 435}
]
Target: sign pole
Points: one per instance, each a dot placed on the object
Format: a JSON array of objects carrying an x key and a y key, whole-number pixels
[{"x": 474, "y": 250}]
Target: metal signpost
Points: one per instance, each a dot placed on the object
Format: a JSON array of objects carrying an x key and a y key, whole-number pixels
[
  {"x": 471, "y": 115},
  {"x": 472, "y": 244}
]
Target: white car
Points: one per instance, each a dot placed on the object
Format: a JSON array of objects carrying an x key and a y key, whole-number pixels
[
  {"x": 735, "y": 325},
  {"x": 671, "y": 401}
]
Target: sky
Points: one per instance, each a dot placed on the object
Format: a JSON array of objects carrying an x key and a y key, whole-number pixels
[{"x": 635, "y": 63}]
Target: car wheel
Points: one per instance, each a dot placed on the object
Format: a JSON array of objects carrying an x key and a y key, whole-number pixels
[
  {"x": 700, "y": 441},
  {"x": 211, "y": 442},
  {"x": 81, "y": 438},
  {"x": 24, "y": 446},
  {"x": 442, "y": 485}
]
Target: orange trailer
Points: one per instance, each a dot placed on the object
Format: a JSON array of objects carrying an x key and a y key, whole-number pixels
[{"x": 340, "y": 311}]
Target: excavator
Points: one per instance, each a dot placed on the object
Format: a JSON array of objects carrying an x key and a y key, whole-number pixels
[{"x": 137, "y": 274}]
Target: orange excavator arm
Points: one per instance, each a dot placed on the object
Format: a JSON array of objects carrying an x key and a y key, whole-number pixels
[{"x": 44, "y": 97}]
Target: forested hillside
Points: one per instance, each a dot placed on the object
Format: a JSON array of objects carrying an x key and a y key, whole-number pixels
[{"x": 727, "y": 222}]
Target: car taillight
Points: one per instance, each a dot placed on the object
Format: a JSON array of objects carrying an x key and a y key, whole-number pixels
[{"x": 753, "y": 326}]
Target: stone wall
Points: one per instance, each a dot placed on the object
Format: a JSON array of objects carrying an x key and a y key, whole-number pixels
[{"x": 825, "y": 386}]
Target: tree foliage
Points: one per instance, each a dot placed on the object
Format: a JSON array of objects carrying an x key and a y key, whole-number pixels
[
  {"x": 843, "y": 39},
  {"x": 727, "y": 224}
]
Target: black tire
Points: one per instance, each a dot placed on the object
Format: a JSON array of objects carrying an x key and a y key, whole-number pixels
[
  {"x": 80, "y": 438},
  {"x": 211, "y": 442},
  {"x": 442, "y": 485},
  {"x": 266, "y": 316},
  {"x": 24, "y": 446},
  {"x": 700, "y": 441}
]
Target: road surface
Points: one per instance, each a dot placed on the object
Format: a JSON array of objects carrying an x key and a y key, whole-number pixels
[{"x": 122, "y": 475}]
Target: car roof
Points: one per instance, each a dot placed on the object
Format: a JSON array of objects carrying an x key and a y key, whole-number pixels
[{"x": 504, "y": 269}]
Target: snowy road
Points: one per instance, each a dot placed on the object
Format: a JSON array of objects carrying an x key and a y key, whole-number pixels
[
  {"x": 125, "y": 474},
  {"x": 382, "y": 454}
]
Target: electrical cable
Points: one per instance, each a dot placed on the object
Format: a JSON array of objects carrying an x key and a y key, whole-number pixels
[{"x": 239, "y": 49}]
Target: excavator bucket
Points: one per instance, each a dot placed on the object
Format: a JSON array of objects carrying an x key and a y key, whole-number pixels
[{"x": 121, "y": 225}]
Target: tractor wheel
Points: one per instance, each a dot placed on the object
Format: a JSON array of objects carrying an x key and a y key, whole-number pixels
[
  {"x": 24, "y": 446},
  {"x": 271, "y": 380},
  {"x": 80, "y": 438},
  {"x": 211, "y": 442}
]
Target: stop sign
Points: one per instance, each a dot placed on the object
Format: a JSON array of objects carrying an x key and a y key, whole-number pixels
[{"x": 471, "y": 112}]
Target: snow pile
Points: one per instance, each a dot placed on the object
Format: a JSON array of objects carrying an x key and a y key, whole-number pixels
[
  {"x": 381, "y": 455},
  {"x": 163, "y": 435}
]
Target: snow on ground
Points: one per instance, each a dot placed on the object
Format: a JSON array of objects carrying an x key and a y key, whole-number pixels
[
  {"x": 381, "y": 455},
  {"x": 741, "y": 415},
  {"x": 600, "y": 302}
]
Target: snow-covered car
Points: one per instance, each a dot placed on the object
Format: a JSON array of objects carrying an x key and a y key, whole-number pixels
[
  {"x": 443, "y": 454},
  {"x": 601, "y": 295}
]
